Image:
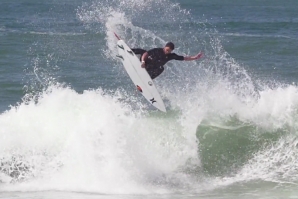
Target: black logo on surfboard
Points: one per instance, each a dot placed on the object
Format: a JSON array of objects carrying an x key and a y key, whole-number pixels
[{"x": 152, "y": 100}]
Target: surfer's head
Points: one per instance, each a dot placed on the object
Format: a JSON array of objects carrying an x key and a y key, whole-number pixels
[{"x": 169, "y": 47}]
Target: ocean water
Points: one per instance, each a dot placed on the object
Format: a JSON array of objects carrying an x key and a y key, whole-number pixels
[{"x": 72, "y": 125}]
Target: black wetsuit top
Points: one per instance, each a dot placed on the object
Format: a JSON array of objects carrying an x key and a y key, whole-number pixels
[{"x": 156, "y": 60}]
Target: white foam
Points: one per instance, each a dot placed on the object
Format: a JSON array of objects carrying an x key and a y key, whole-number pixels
[{"x": 90, "y": 142}]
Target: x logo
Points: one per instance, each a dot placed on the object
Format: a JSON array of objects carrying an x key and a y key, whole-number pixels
[{"x": 152, "y": 100}]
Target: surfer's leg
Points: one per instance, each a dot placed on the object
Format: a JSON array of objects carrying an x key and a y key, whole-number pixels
[{"x": 153, "y": 73}]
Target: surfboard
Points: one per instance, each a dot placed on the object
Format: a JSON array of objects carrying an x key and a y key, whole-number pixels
[{"x": 139, "y": 75}]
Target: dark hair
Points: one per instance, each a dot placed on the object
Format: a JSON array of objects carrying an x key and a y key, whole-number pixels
[{"x": 170, "y": 45}]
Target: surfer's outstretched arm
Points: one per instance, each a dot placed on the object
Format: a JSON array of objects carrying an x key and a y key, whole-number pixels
[{"x": 191, "y": 58}]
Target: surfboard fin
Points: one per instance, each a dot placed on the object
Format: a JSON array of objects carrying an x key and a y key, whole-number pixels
[
  {"x": 130, "y": 52},
  {"x": 120, "y": 47},
  {"x": 119, "y": 56}
]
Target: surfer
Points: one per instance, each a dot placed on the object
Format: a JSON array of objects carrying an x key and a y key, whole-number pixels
[{"x": 153, "y": 60}]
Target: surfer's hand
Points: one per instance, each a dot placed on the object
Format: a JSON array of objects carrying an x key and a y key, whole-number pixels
[
  {"x": 143, "y": 64},
  {"x": 200, "y": 55}
]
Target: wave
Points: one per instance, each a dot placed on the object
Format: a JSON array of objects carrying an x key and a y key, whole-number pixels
[
  {"x": 47, "y": 143},
  {"x": 9, "y": 30},
  {"x": 257, "y": 35},
  {"x": 57, "y": 33},
  {"x": 223, "y": 125},
  {"x": 63, "y": 140}
]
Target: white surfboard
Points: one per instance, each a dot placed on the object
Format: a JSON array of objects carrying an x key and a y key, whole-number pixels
[{"x": 139, "y": 75}]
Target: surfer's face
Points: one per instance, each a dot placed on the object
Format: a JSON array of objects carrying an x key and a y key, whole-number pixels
[{"x": 167, "y": 50}]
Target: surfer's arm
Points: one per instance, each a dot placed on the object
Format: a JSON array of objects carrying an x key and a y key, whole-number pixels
[
  {"x": 191, "y": 58},
  {"x": 138, "y": 51},
  {"x": 143, "y": 59}
]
